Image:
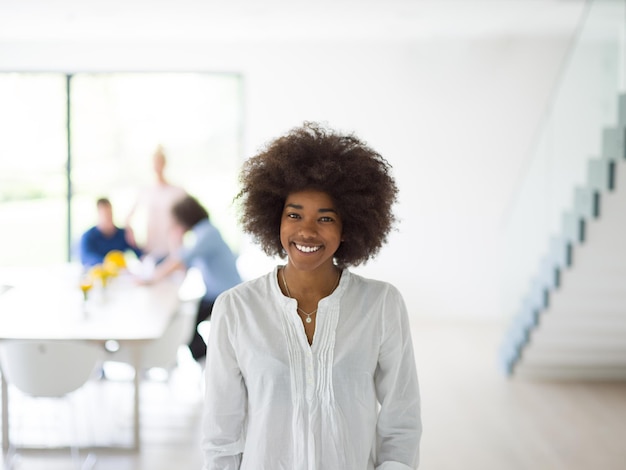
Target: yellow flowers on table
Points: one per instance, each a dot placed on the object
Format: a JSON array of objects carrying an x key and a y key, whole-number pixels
[
  {"x": 86, "y": 283},
  {"x": 101, "y": 273},
  {"x": 115, "y": 258},
  {"x": 109, "y": 269},
  {"x": 113, "y": 263},
  {"x": 98, "y": 274}
]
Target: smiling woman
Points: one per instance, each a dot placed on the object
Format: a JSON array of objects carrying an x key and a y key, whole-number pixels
[
  {"x": 310, "y": 351},
  {"x": 95, "y": 134}
]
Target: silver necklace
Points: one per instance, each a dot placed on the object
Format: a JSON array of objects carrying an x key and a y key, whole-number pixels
[{"x": 307, "y": 315}]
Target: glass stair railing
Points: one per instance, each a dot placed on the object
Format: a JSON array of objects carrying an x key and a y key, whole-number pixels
[{"x": 571, "y": 166}]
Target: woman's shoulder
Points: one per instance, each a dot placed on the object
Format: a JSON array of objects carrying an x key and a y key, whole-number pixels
[
  {"x": 252, "y": 288},
  {"x": 236, "y": 304},
  {"x": 367, "y": 284},
  {"x": 379, "y": 298}
]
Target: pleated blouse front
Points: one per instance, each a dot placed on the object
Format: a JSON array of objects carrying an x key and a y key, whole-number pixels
[{"x": 348, "y": 401}]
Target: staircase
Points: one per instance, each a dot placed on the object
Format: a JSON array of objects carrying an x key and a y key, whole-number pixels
[{"x": 572, "y": 321}]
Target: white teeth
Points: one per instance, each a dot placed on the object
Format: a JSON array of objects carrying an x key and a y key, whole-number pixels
[{"x": 307, "y": 249}]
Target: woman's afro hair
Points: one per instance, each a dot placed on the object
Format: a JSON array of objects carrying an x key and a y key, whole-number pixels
[{"x": 311, "y": 157}]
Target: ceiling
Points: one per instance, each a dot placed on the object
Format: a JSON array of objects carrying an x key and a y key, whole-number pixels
[{"x": 210, "y": 20}]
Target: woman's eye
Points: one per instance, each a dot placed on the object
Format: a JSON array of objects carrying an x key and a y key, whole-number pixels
[
  {"x": 293, "y": 216},
  {"x": 326, "y": 219}
]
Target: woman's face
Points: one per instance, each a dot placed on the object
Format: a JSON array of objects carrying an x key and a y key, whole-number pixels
[{"x": 310, "y": 229}]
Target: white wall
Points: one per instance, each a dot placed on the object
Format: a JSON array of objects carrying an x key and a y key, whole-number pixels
[{"x": 454, "y": 116}]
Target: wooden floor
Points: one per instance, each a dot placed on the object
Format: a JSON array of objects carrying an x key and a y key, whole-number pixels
[{"x": 473, "y": 417}]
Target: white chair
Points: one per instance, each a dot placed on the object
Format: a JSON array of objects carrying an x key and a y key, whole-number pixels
[
  {"x": 163, "y": 352},
  {"x": 204, "y": 329},
  {"x": 51, "y": 369}
]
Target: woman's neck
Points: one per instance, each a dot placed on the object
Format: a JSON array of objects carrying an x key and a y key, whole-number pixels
[{"x": 310, "y": 284}]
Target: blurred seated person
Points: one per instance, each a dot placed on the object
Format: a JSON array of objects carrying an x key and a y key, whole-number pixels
[
  {"x": 208, "y": 252},
  {"x": 96, "y": 242}
]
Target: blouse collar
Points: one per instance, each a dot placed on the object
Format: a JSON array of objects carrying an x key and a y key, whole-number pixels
[{"x": 335, "y": 296}]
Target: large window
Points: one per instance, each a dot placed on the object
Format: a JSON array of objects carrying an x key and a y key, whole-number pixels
[
  {"x": 33, "y": 157},
  {"x": 113, "y": 123}
]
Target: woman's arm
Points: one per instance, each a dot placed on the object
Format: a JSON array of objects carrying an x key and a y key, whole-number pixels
[
  {"x": 167, "y": 267},
  {"x": 225, "y": 403},
  {"x": 399, "y": 425}
]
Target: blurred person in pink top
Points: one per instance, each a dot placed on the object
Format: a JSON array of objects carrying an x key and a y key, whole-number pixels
[{"x": 157, "y": 201}]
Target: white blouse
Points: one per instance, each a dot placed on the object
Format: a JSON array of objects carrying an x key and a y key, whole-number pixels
[{"x": 349, "y": 401}]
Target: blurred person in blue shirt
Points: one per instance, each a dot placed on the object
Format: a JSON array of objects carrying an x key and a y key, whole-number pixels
[
  {"x": 105, "y": 236},
  {"x": 207, "y": 252}
]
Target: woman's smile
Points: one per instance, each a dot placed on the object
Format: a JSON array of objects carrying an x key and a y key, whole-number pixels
[
  {"x": 310, "y": 229},
  {"x": 307, "y": 248}
]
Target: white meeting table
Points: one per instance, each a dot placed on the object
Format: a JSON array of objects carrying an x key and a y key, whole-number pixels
[{"x": 46, "y": 304}]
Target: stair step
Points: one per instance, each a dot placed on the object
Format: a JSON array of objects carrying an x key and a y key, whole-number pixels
[
  {"x": 613, "y": 147},
  {"x": 587, "y": 202},
  {"x": 573, "y": 227},
  {"x": 560, "y": 253},
  {"x": 549, "y": 273}
]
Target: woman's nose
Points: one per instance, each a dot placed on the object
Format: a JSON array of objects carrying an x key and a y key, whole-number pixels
[{"x": 308, "y": 228}]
